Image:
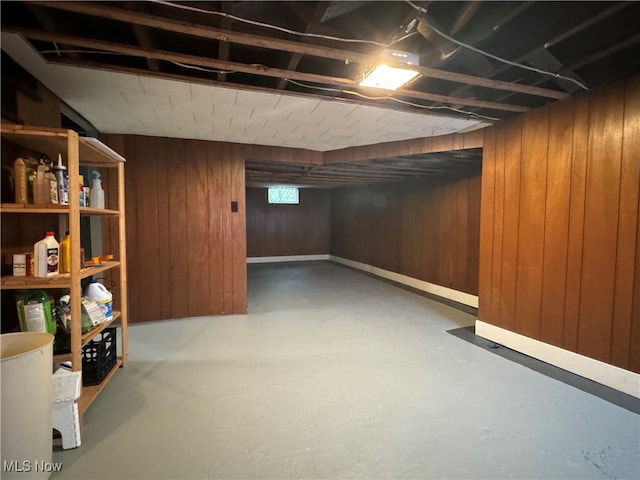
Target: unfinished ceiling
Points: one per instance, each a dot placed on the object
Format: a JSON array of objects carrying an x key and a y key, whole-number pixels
[{"x": 287, "y": 73}]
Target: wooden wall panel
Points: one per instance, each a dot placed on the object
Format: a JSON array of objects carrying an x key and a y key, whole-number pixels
[
  {"x": 485, "y": 281},
  {"x": 627, "y": 248},
  {"x": 274, "y": 230},
  {"x": 601, "y": 224},
  {"x": 571, "y": 238},
  {"x": 554, "y": 268},
  {"x": 535, "y": 134},
  {"x": 577, "y": 186},
  {"x": 178, "y": 252},
  {"x": 186, "y": 250},
  {"x": 423, "y": 229}
]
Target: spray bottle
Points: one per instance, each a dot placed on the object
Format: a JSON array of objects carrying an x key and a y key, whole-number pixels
[{"x": 96, "y": 196}]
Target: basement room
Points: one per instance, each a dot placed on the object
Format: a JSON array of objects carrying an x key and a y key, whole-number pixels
[{"x": 320, "y": 240}]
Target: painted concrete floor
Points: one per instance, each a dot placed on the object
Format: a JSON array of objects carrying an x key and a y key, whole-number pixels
[{"x": 336, "y": 375}]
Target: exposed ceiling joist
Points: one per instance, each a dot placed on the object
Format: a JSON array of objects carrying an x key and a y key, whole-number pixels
[
  {"x": 178, "y": 26},
  {"x": 253, "y": 69}
]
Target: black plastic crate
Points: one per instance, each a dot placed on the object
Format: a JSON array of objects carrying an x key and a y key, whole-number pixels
[{"x": 99, "y": 356}]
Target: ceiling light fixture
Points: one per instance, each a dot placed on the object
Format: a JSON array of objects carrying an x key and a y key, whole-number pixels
[{"x": 392, "y": 73}]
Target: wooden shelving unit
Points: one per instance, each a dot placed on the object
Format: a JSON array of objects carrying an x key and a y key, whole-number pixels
[{"x": 76, "y": 151}]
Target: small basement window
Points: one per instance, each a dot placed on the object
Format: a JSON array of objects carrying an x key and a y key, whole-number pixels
[{"x": 284, "y": 195}]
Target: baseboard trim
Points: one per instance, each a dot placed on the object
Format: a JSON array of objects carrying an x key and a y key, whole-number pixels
[
  {"x": 287, "y": 258},
  {"x": 444, "y": 292},
  {"x": 601, "y": 372}
]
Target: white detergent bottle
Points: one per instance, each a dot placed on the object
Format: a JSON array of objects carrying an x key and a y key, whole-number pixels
[
  {"x": 98, "y": 293},
  {"x": 46, "y": 256},
  {"x": 96, "y": 195}
]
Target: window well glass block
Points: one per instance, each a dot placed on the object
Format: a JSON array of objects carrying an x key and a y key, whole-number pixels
[{"x": 286, "y": 195}]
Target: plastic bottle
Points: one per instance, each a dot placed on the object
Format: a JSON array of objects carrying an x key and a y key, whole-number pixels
[
  {"x": 96, "y": 199},
  {"x": 46, "y": 255},
  {"x": 83, "y": 197},
  {"x": 63, "y": 182},
  {"x": 34, "y": 312},
  {"x": 98, "y": 293},
  {"x": 51, "y": 186},
  {"x": 20, "y": 180},
  {"x": 40, "y": 188},
  {"x": 65, "y": 254}
]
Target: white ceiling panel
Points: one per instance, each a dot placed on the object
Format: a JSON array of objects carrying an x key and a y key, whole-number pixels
[{"x": 131, "y": 104}]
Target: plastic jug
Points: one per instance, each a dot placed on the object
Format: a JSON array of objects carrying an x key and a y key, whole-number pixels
[
  {"x": 98, "y": 293},
  {"x": 46, "y": 256}
]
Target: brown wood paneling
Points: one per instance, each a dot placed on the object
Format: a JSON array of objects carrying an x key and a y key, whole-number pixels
[
  {"x": 421, "y": 229},
  {"x": 569, "y": 249},
  {"x": 627, "y": 228},
  {"x": 274, "y": 230},
  {"x": 498, "y": 219},
  {"x": 485, "y": 282},
  {"x": 601, "y": 224},
  {"x": 577, "y": 188},
  {"x": 133, "y": 174},
  {"x": 506, "y": 310},
  {"x": 217, "y": 195},
  {"x": 239, "y": 233},
  {"x": 186, "y": 250},
  {"x": 149, "y": 241},
  {"x": 556, "y": 228},
  {"x": 44, "y": 112},
  {"x": 198, "y": 226},
  {"x": 163, "y": 180},
  {"x": 535, "y": 133},
  {"x": 178, "y": 245}
]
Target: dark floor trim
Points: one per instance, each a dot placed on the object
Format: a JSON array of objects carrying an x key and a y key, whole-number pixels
[{"x": 621, "y": 399}]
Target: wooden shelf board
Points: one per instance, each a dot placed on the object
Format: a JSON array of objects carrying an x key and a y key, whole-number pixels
[
  {"x": 103, "y": 267},
  {"x": 32, "y": 208},
  {"x": 90, "y": 393},
  {"x": 98, "y": 211},
  {"x": 62, "y": 280},
  {"x": 87, "y": 337},
  {"x": 61, "y": 209},
  {"x": 52, "y": 141}
]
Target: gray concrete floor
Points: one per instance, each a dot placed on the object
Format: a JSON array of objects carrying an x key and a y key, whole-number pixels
[{"x": 336, "y": 375}]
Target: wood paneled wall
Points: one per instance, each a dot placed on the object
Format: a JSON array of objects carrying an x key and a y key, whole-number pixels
[
  {"x": 186, "y": 248},
  {"x": 301, "y": 229},
  {"x": 423, "y": 229},
  {"x": 559, "y": 237}
]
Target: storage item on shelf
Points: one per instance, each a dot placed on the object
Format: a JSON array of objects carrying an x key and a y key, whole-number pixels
[
  {"x": 63, "y": 182},
  {"x": 41, "y": 191},
  {"x": 46, "y": 255},
  {"x": 97, "y": 292},
  {"x": 93, "y": 311},
  {"x": 51, "y": 184},
  {"x": 96, "y": 196},
  {"x": 81, "y": 191},
  {"x": 20, "y": 181},
  {"x": 65, "y": 254},
  {"x": 63, "y": 309},
  {"x": 99, "y": 357},
  {"x": 34, "y": 312},
  {"x": 19, "y": 265}
]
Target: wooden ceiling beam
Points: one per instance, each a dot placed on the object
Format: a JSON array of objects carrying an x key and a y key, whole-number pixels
[
  {"x": 188, "y": 28},
  {"x": 244, "y": 68},
  {"x": 317, "y": 15}
]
